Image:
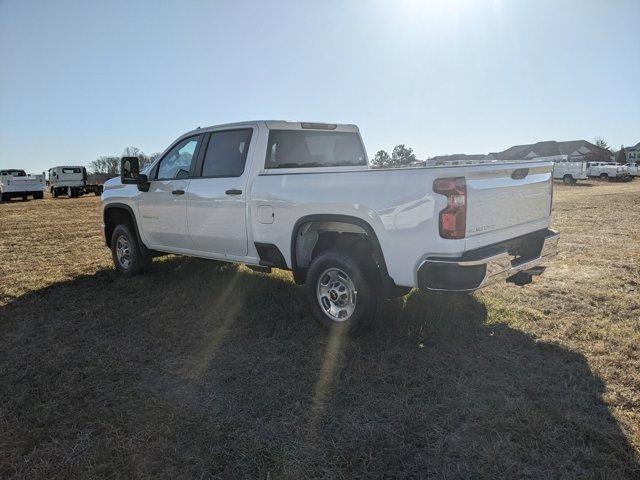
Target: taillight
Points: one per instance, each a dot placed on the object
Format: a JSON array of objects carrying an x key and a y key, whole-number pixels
[{"x": 453, "y": 219}]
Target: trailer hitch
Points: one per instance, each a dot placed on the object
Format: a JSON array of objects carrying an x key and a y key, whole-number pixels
[{"x": 525, "y": 277}]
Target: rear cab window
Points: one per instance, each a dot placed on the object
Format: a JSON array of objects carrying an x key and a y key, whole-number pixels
[
  {"x": 313, "y": 148},
  {"x": 14, "y": 173}
]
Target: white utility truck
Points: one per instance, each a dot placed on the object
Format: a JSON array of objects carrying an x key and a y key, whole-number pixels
[
  {"x": 608, "y": 171},
  {"x": 565, "y": 169},
  {"x": 15, "y": 183},
  {"x": 302, "y": 197},
  {"x": 70, "y": 181}
]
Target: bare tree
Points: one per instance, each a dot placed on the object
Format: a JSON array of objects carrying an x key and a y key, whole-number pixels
[
  {"x": 601, "y": 142},
  {"x": 109, "y": 165},
  {"x": 105, "y": 165},
  {"x": 136, "y": 152}
]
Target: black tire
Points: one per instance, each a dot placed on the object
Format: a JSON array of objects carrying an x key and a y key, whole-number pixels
[
  {"x": 4, "y": 197},
  {"x": 567, "y": 179},
  {"x": 364, "y": 299},
  {"x": 38, "y": 195},
  {"x": 138, "y": 257},
  {"x": 604, "y": 177}
]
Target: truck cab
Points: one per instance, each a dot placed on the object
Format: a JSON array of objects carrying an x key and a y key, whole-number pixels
[{"x": 67, "y": 180}]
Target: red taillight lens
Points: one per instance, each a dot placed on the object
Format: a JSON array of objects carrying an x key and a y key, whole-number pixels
[{"x": 453, "y": 219}]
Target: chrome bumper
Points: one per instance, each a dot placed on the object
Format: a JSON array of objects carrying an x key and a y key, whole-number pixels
[{"x": 488, "y": 265}]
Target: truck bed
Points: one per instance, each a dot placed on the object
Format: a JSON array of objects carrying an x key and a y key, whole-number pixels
[{"x": 504, "y": 201}]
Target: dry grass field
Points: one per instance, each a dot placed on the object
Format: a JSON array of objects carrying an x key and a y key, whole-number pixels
[{"x": 204, "y": 370}]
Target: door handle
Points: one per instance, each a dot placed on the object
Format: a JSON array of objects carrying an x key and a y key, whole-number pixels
[
  {"x": 177, "y": 192},
  {"x": 234, "y": 191}
]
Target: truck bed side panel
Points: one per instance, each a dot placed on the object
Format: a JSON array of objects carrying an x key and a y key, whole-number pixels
[{"x": 400, "y": 206}]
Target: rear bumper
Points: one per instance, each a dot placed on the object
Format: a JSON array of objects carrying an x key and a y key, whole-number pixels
[{"x": 479, "y": 268}]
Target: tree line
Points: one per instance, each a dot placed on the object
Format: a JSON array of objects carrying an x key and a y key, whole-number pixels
[{"x": 109, "y": 165}]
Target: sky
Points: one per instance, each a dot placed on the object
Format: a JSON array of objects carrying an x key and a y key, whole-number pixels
[{"x": 82, "y": 79}]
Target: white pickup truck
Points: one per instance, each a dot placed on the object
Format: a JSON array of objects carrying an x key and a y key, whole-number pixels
[
  {"x": 15, "y": 183},
  {"x": 302, "y": 197}
]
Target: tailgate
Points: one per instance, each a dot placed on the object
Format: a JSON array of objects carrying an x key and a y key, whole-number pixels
[
  {"x": 502, "y": 197},
  {"x": 25, "y": 182}
]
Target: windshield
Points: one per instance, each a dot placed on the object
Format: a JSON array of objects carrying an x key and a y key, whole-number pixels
[{"x": 306, "y": 149}]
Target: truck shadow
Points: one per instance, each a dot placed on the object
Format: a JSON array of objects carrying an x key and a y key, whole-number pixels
[{"x": 200, "y": 369}]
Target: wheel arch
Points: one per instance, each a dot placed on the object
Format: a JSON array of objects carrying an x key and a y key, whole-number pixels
[
  {"x": 115, "y": 213},
  {"x": 358, "y": 225}
]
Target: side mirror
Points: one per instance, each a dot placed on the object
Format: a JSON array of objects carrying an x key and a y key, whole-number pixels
[
  {"x": 130, "y": 173},
  {"x": 129, "y": 170}
]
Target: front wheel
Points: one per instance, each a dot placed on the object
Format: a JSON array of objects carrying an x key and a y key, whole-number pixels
[
  {"x": 129, "y": 256},
  {"x": 604, "y": 177},
  {"x": 567, "y": 179},
  {"x": 342, "y": 292}
]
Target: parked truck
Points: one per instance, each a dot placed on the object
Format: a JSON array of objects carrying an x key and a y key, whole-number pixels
[
  {"x": 70, "y": 181},
  {"x": 607, "y": 171},
  {"x": 15, "y": 183},
  {"x": 566, "y": 169},
  {"x": 303, "y": 197}
]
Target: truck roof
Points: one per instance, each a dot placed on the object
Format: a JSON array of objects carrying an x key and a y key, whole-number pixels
[{"x": 284, "y": 125}]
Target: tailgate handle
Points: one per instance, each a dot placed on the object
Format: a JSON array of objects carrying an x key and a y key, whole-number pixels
[{"x": 520, "y": 173}]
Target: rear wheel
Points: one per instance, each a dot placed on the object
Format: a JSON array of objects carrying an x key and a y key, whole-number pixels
[
  {"x": 129, "y": 256},
  {"x": 604, "y": 177},
  {"x": 342, "y": 292},
  {"x": 567, "y": 179}
]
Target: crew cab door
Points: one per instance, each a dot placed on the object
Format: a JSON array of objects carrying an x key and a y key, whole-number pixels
[
  {"x": 163, "y": 209},
  {"x": 216, "y": 197}
]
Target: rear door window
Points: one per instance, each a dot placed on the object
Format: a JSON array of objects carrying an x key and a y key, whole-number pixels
[
  {"x": 226, "y": 154},
  {"x": 306, "y": 149}
]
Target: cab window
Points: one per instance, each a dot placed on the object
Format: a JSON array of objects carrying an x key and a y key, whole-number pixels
[
  {"x": 227, "y": 153},
  {"x": 178, "y": 162}
]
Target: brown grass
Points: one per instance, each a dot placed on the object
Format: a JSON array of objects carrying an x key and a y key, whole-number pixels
[{"x": 204, "y": 370}]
